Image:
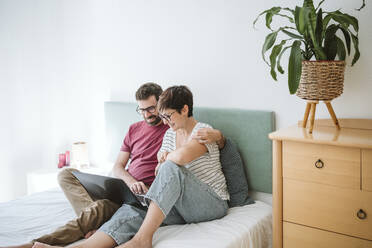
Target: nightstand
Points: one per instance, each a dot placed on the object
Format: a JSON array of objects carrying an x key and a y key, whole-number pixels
[
  {"x": 322, "y": 185},
  {"x": 39, "y": 181}
]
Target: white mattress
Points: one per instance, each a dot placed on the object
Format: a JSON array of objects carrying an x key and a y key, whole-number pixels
[{"x": 26, "y": 218}]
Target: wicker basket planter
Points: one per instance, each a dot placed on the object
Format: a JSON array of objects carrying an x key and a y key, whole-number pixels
[{"x": 321, "y": 80}]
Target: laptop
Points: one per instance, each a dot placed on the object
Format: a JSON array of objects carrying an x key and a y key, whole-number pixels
[{"x": 114, "y": 189}]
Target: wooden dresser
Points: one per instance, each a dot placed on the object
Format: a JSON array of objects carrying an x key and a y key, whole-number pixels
[{"x": 322, "y": 185}]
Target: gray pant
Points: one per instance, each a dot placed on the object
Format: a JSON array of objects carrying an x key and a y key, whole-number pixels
[{"x": 181, "y": 196}]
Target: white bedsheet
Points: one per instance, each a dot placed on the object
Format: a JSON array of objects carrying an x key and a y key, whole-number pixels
[{"x": 26, "y": 218}]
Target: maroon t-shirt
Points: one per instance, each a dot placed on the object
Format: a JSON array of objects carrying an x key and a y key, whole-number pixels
[{"x": 143, "y": 143}]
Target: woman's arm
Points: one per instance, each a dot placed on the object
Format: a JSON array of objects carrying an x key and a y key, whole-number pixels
[
  {"x": 209, "y": 135},
  {"x": 187, "y": 153}
]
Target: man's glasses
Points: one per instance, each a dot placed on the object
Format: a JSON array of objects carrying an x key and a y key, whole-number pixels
[
  {"x": 150, "y": 110},
  {"x": 167, "y": 117}
]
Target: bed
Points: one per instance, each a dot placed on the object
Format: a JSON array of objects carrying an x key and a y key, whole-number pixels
[{"x": 28, "y": 217}]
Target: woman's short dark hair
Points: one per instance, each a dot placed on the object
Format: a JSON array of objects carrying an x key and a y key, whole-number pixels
[
  {"x": 148, "y": 89},
  {"x": 176, "y": 97}
]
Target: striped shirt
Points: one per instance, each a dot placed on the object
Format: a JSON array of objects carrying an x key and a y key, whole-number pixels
[{"x": 207, "y": 168}]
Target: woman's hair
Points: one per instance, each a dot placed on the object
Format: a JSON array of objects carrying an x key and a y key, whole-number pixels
[
  {"x": 148, "y": 89},
  {"x": 176, "y": 97}
]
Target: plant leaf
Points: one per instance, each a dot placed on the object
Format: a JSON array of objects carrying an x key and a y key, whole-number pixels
[
  {"x": 330, "y": 42},
  {"x": 317, "y": 49},
  {"x": 273, "y": 9},
  {"x": 294, "y": 67},
  {"x": 347, "y": 38},
  {"x": 326, "y": 20},
  {"x": 292, "y": 35},
  {"x": 341, "y": 52},
  {"x": 288, "y": 17},
  {"x": 319, "y": 5},
  {"x": 300, "y": 19},
  {"x": 269, "y": 42},
  {"x": 274, "y": 54},
  {"x": 345, "y": 20},
  {"x": 290, "y": 10},
  {"x": 354, "y": 22},
  {"x": 279, "y": 67},
  {"x": 356, "y": 48},
  {"x": 319, "y": 27},
  {"x": 270, "y": 14},
  {"x": 309, "y": 6},
  {"x": 363, "y": 5}
]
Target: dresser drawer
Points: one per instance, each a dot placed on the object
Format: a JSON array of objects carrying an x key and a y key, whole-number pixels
[
  {"x": 328, "y": 207},
  {"x": 295, "y": 236},
  {"x": 367, "y": 170},
  {"x": 332, "y": 165}
]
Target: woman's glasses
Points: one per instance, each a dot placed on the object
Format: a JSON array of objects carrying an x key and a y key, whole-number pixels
[{"x": 167, "y": 117}]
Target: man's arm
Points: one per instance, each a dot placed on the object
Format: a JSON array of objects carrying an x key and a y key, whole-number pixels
[
  {"x": 120, "y": 172},
  {"x": 187, "y": 153},
  {"x": 209, "y": 135}
]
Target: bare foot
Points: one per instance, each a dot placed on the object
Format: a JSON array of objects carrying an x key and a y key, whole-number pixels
[
  {"x": 41, "y": 245},
  {"x": 137, "y": 243},
  {"x": 90, "y": 233},
  {"x": 28, "y": 245}
]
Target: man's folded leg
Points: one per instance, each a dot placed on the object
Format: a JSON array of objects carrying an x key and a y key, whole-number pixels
[
  {"x": 91, "y": 214},
  {"x": 91, "y": 218},
  {"x": 74, "y": 191}
]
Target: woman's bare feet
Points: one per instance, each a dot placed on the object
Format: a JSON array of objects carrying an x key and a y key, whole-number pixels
[
  {"x": 137, "y": 243},
  {"x": 41, "y": 245}
]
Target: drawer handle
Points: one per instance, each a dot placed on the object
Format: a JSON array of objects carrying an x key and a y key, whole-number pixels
[
  {"x": 319, "y": 164},
  {"x": 361, "y": 214}
]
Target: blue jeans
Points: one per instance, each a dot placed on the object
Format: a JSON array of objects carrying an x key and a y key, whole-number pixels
[{"x": 180, "y": 195}]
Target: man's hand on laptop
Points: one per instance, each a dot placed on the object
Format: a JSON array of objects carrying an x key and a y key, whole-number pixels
[{"x": 138, "y": 188}]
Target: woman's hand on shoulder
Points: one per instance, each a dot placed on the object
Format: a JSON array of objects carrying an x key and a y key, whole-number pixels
[{"x": 209, "y": 135}]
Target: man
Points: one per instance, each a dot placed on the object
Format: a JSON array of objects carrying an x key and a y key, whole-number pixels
[{"x": 141, "y": 145}]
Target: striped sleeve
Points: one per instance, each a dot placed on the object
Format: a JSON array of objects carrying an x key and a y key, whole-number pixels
[{"x": 168, "y": 142}]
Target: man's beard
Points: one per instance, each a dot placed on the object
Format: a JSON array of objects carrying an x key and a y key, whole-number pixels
[{"x": 154, "y": 122}]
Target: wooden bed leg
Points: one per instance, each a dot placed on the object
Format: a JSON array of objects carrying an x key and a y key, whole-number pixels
[
  {"x": 277, "y": 195},
  {"x": 306, "y": 115},
  {"x": 332, "y": 113}
]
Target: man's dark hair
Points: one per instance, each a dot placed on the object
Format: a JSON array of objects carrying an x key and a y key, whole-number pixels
[
  {"x": 148, "y": 89},
  {"x": 176, "y": 97}
]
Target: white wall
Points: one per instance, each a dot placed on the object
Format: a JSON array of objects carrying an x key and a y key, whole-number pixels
[{"x": 59, "y": 60}]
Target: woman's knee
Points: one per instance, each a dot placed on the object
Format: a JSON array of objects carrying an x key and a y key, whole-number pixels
[{"x": 169, "y": 167}]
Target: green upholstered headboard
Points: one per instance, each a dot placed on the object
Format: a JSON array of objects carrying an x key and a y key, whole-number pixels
[{"x": 249, "y": 129}]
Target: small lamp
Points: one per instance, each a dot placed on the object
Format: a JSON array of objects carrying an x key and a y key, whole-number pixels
[{"x": 79, "y": 155}]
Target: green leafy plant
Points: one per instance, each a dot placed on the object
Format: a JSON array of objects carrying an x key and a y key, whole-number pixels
[{"x": 311, "y": 33}]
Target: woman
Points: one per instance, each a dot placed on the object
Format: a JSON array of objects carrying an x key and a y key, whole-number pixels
[{"x": 189, "y": 186}]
